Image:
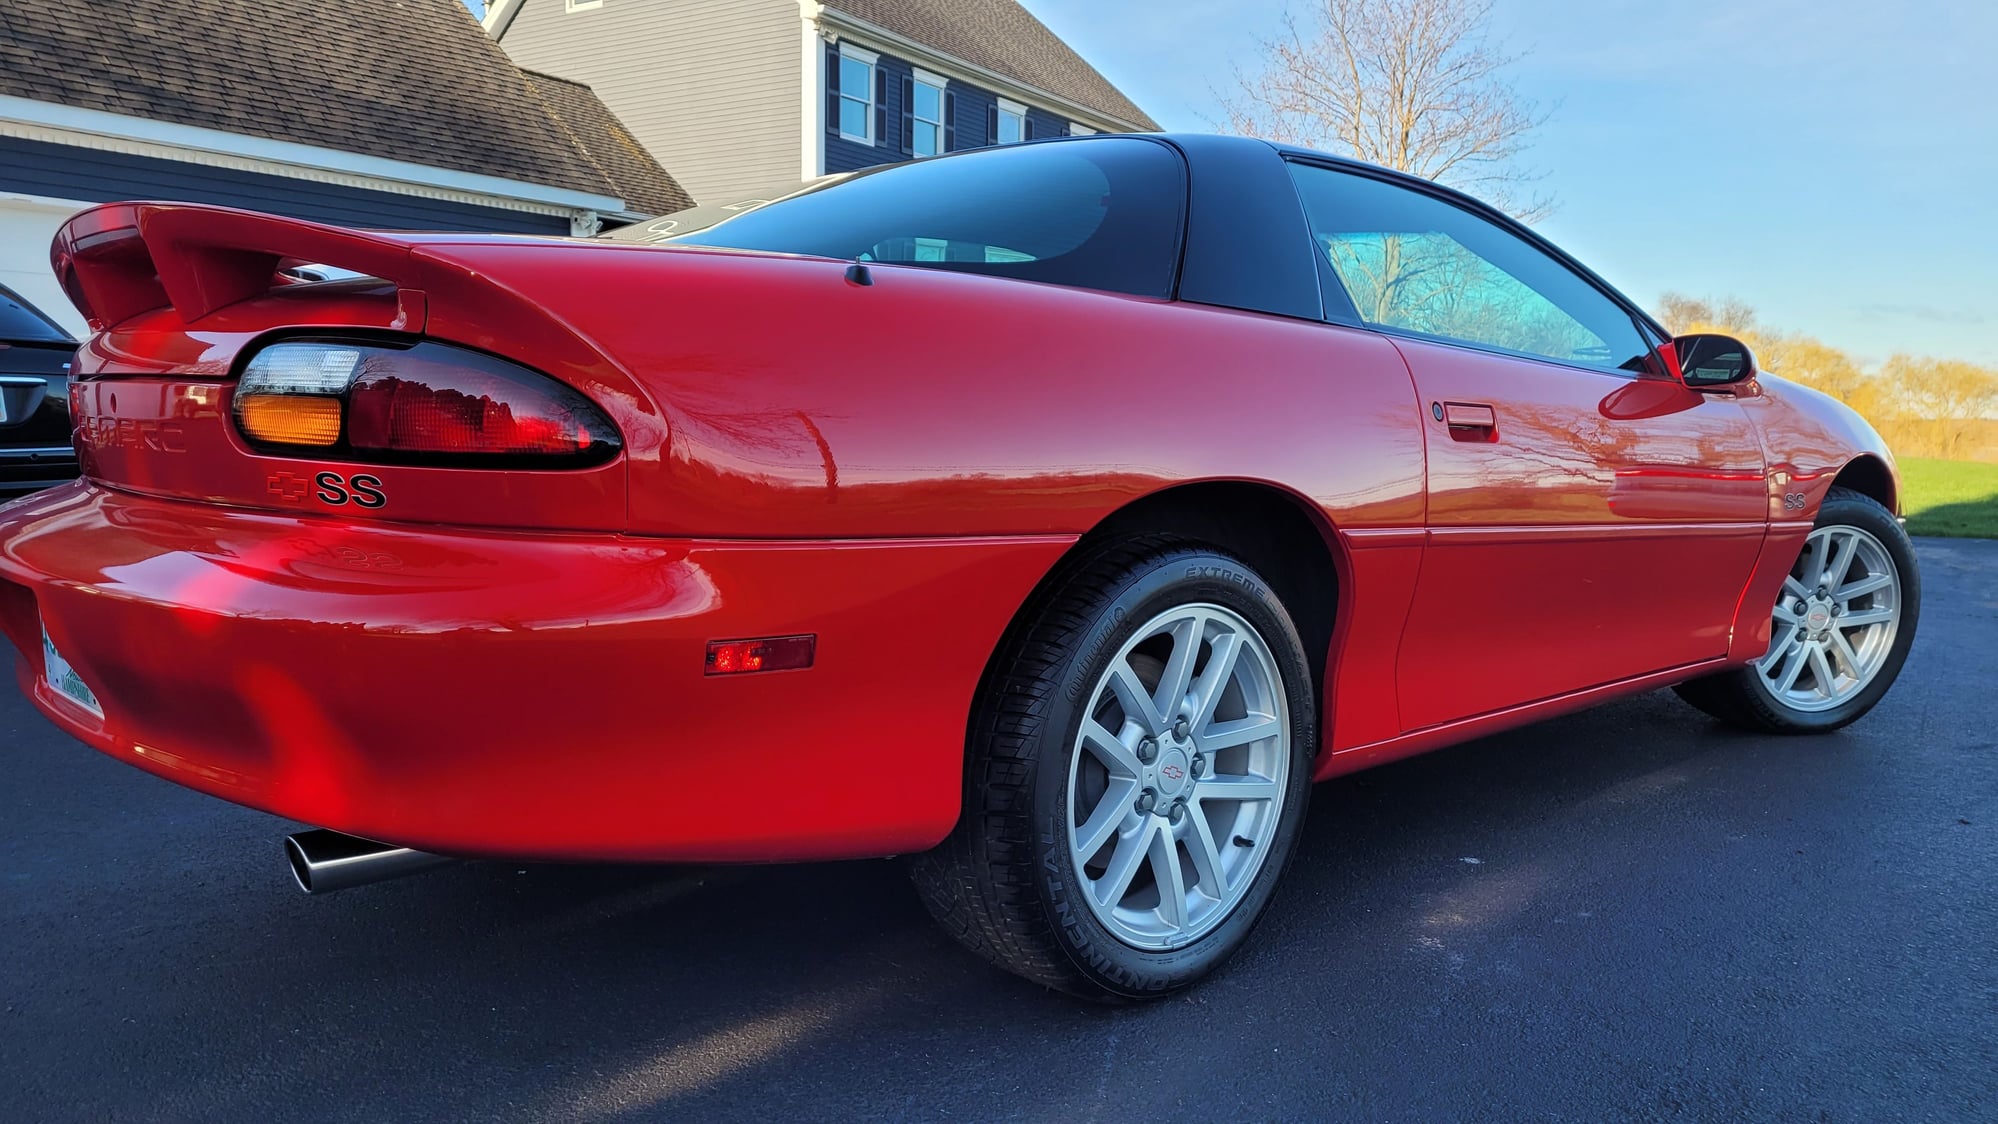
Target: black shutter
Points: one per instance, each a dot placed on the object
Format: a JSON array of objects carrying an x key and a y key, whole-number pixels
[
  {"x": 992, "y": 124},
  {"x": 908, "y": 116},
  {"x": 950, "y": 121},
  {"x": 880, "y": 105},
  {"x": 1026, "y": 127},
  {"x": 832, "y": 89}
]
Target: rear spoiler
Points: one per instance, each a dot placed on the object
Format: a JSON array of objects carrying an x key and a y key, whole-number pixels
[{"x": 119, "y": 260}]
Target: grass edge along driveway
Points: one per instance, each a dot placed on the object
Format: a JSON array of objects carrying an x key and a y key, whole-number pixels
[{"x": 1958, "y": 499}]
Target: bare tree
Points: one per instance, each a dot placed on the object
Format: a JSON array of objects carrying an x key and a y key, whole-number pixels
[
  {"x": 1682, "y": 313},
  {"x": 1413, "y": 85}
]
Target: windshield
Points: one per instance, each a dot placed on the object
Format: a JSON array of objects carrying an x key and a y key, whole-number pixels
[{"x": 1105, "y": 213}]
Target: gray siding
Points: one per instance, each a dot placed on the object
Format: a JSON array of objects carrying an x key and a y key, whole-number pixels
[{"x": 711, "y": 87}]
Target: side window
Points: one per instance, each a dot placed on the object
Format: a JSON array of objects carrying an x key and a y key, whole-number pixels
[{"x": 1415, "y": 263}]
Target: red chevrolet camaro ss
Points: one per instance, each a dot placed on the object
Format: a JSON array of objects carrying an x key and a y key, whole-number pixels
[{"x": 1054, "y": 514}]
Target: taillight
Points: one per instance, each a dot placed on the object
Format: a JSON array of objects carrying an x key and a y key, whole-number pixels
[{"x": 424, "y": 403}]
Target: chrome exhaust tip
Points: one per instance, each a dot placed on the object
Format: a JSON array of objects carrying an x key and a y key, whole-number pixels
[{"x": 324, "y": 861}]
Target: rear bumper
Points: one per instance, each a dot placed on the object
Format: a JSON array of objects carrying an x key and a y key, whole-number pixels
[{"x": 521, "y": 696}]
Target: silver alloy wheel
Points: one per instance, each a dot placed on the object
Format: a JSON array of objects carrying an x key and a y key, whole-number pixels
[
  {"x": 1177, "y": 777},
  {"x": 1835, "y": 620}
]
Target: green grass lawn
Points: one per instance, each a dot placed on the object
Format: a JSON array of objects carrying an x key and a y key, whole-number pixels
[{"x": 1958, "y": 498}]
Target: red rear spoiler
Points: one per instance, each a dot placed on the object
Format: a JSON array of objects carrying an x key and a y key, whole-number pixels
[{"x": 122, "y": 259}]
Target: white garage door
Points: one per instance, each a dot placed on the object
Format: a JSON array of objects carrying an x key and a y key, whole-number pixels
[{"x": 26, "y": 226}]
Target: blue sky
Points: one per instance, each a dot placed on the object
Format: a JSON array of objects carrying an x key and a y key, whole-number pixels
[{"x": 1833, "y": 163}]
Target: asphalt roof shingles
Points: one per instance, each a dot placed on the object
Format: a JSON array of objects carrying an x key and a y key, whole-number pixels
[
  {"x": 412, "y": 80},
  {"x": 1003, "y": 37}
]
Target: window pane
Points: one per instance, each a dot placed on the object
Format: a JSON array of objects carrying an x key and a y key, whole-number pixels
[
  {"x": 853, "y": 117},
  {"x": 928, "y": 139},
  {"x": 19, "y": 321},
  {"x": 1417, "y": 263},
  {"x": 856, "y": 79},
  {"x": 1010, "y": 127},
  {"x": 1104, "y": 215},
  {"x": 929, "y": 102}
]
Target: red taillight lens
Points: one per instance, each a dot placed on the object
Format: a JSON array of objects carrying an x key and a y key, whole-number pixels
[
  {"x": 773, "y": 653},
  {"x": 424, "y": 403}
]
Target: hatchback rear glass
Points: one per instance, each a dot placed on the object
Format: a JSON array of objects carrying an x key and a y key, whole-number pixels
[{"x": 1105, "y": 213}]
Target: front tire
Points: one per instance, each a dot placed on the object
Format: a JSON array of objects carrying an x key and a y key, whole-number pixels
[
  {"x": 1138, "y": 766},
  {"x": 1841, "y": 629}
]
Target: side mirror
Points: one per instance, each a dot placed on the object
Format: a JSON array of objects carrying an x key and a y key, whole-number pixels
[{"x": 1707, "y": 360}]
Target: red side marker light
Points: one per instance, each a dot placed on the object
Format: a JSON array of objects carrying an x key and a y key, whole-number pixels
[{"x": 772, "y": 653}]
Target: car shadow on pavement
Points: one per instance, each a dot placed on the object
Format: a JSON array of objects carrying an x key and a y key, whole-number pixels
[
  {"x": 601, "y": 992},
  {"x": 650, "y": 990}
]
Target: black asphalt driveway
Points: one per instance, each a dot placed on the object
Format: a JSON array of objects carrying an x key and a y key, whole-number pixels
[{"x": 1626, "y": 914}]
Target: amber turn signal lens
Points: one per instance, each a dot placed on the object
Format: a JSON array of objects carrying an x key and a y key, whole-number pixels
[{"x": 290, "y": 419}]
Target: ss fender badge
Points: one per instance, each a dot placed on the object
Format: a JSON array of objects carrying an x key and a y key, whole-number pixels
[
  {"x": 1794, "y": 501},
  {"x": 361, "y": 489}
]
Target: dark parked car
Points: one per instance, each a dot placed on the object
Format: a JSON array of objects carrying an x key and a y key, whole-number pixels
[{"x": 35, "y": 356}]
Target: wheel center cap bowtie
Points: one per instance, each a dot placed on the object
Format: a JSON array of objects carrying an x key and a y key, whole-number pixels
[
  {"x": 1818, "y": 617},
  {"x": 1173, "y": 771}
]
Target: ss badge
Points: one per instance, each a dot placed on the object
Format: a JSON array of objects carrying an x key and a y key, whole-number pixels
[{"x": 1793, "y": 501}]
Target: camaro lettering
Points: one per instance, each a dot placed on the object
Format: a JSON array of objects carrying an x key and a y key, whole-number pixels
[{"x": 133, "y": 433}]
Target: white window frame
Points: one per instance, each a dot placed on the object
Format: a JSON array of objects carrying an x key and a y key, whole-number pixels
[
  {"x": 581, "y": 5},
  {"x": 1077, "y": 129},
  {"x": 938, "y": 83},
  {"x": 873, "y": 64},
  {"x": 1016, "y": 109}
]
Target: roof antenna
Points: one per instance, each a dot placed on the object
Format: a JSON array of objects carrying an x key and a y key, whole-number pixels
[{"x": 859, "y": 274}]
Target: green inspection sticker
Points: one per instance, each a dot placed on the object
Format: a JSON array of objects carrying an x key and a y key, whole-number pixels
[{"x": 64, "y": 679}]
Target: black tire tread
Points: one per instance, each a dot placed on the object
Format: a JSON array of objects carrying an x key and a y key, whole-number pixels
[{"x": 980, "y": 883}]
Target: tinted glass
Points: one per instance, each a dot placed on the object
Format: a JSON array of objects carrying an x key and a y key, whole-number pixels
[
  {"x": 1416, "y": 263},
  {"x": 20, "y": 321},
  {"x": 1097, "y": 214}
]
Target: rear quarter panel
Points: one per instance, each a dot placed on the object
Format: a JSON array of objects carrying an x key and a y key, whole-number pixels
[{"x": 799, "y": 404}]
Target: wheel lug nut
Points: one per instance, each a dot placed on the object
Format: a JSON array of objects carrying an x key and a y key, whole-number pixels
[
  {"x": 1178, "y": 812},
  {"x": 1147, "y": 800},
  {"x": 1147, "y": 750},
  {"x": 1179, "y": 728},
  {"x": 1198, "y": 764}
]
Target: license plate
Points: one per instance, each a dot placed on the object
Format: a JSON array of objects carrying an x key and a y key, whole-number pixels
[{"x": 63, "y": 678}]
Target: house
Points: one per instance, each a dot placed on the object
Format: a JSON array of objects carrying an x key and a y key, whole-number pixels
[
  {"x": 751, "y": 96},
  {"x": 396, "y": 114}
]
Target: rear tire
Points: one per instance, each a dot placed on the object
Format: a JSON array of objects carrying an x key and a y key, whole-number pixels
[
  {"x": 1823, "y": 671},
  {"x": 1087, "y": 856}
]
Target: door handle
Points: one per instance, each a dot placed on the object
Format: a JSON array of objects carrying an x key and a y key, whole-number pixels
[{"x": 1469, "y": 421}]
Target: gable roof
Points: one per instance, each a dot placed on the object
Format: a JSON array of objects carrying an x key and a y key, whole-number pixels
[
  {"x": 411, "y": 80},
  {"x": 1003, "y": 37},
  {"x": 632, "y": 172}
]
